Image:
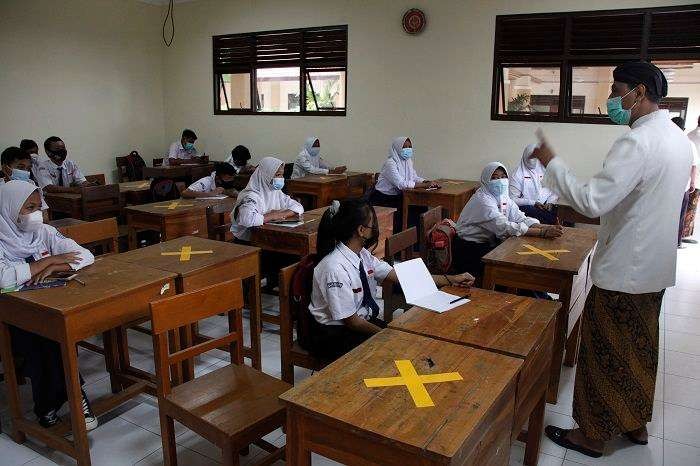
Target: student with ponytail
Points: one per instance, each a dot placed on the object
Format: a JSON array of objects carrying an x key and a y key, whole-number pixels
[{"x": 346, "y": 277}]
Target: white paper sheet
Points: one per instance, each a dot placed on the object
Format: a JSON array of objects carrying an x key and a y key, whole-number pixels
[
  {"x": 288, "y": 225},
  {"x": 420, "y": 289},
  {"x": 222, "y": 196}
]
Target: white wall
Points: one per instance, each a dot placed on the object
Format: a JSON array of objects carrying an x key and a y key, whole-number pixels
[
  {"x": 89, "y": 71},
  {"x": 392, "y": 84}
]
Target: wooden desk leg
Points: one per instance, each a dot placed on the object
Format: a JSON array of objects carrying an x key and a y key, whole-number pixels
[
  {"x": 133, "y": 239},
  {"x": 487, "y": 281},
  {"x": 535, "y": 426},
  {"x": 111, "y": 348},
  {"x": 404, "y": 216},
  {"x": 572, "y": 344},
  {"x": 297, "y": 453},
  {"x": 559, "y": 343},
  {"x": 75, "y": 402},
  {"x": 255, "y": 306},
  {"x": 8, "y": 364}
]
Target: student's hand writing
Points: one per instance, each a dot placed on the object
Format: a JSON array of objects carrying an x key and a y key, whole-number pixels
[
  {"x": 338, "y": 170},
  {"x": 44, "y": 274},
  {"x": 464, "y": 280},
  {"x": 65, "y": 259},
  {"x": 553, "y": 231},
  {"x": 219, "y": 190}
]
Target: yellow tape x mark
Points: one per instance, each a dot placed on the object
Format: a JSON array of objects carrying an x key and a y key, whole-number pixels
[
  {"x": 548, "y": 253},
  {"x": 173, "y": 205},
  {"x": 185, "y": 252}
]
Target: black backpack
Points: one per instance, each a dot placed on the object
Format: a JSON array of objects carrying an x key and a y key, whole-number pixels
[
  {"x": 164, "y": 189},
  {"x": 134, "y": 166}
]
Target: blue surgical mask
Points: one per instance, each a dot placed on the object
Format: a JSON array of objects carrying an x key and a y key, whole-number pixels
[
  {"x": 617, "y": 113},
  {"x": 277, "y": 183},
  {"x": 498, "y": 187},
  {"x": 407, "y": 153},
  {"x": 314, "y": 151},
  {"x": 21, "y": 175},
  {"x": 188, "y": 146}
]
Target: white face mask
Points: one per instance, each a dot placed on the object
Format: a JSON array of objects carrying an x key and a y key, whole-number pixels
[{"x": 31, "y": 222}]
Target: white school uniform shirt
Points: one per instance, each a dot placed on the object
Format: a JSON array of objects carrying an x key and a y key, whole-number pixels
[
  {"x": 306, "y": 164},
  {"x": 397, "y": 173},
  {"x": 46, "y": 173},
  {"x": 176, "y": 151},
  {"x": 525, "y": 184},
  {"x": 259, "y": 198},
  {"x": 637, "y": 196},
  {"x": 204, "y": 185},
  {"x": 337, "y": 289},
  {"x": 696, "y": 161},
  {"x": 16, "y": 245},
  {"x": 490, "y": 219}
]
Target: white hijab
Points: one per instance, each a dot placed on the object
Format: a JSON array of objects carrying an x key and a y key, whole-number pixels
[
  {"x": 527, "y": 178},
  {"x": 15, "y": 244},
  {"x": 306, "y": 149},
  {"x": 259, "y": 189},
  {"x": 405, "y": 166},
  {"x": 484, "y": 206}
]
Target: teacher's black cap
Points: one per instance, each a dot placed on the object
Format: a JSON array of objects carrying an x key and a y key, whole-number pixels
[{"x": 635, "y": 73}]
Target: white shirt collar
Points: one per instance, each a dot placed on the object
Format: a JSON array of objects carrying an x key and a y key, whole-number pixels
[
  {"x": 650, "y": 116},
  {"x": 349, "y": 254}
]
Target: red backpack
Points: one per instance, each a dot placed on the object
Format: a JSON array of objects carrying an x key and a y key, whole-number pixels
[
  {"x": 440, "y": 246},
  {"x": 302, "y": 283}
]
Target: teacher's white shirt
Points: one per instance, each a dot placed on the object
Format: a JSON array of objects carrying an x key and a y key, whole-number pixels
[{"x": 638, "y": 197}]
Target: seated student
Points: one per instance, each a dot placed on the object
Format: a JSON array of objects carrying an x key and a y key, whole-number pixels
[
  {"x": 240, "y": 155},
  {"x": 58, "y": 173},
  {"x": 346, "y": 277},
  {"x": 262, "y": 200},
  {"x": 490, "y": 217},
  {"x": 30, "y": 251},
  {"x": 396, "y": 175},
  {"x": 219, "y": 182},
  {"x": 309, "y": 162},
  {"x": 184, "y": 150},
  {"x": 30, "y": 146},
  {"x": 17, "y": 165},
  {"x": 526, "y": 190}
]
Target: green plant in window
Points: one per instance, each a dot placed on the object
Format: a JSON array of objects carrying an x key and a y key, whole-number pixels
[
  {"x": 325, "y": 99},
  {"x": 519, "y": 103}
]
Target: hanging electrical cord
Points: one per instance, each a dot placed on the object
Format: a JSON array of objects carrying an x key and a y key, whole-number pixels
[{"x": 169, "y": 14}]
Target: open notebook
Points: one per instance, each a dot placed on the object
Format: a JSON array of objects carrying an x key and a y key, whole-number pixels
[{"x": 420, "y": 289}]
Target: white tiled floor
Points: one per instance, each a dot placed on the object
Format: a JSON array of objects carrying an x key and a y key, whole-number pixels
[{"x": 130, "y": 435}]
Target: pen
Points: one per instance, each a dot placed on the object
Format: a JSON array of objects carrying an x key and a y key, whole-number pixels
[
  {"x": 459, "y": 299},
  {"x": 79, "y": 281}
]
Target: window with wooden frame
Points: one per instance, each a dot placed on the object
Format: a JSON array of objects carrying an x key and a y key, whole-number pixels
[
  {"x": 557, "y": 67},
  {"x": 288, "y": 72}
]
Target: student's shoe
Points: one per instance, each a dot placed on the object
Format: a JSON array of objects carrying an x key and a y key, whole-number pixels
[
  {"x": 49, "y": 419},
  {"x": 90, "y": 418}
]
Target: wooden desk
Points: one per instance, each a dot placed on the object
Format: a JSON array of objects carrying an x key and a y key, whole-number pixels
[
  {"x": 65, "y": 222},
  {"x": 301, "y": 240},
  {"x": 135, "y": 192},
  {"x": 566, "y": 213},
  {"x": 323, "y": 189},
  {"x": 68, "y": 204},
  {"x": 336, "y": 415},
  {"x": 115, "y": 294},
  {"x": 568, "y": 276},
  {"x": 185, "y": 172},
  {"x": 226, "y": 261},
  {"x": 507, "y": 324},
  {"x": 453, "y": 195},
  {"x": 182, "y": 217}
]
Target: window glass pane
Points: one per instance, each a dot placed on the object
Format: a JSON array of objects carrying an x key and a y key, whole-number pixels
[
  {"x": 683, "y": 98},
  {"x": 234, "y": 92},
  {"x": 328, "y": 88},
  {"x": 277, "y": 90},
  {"x": 526, "y": 90},
  {"x": 590, "y": 87}
]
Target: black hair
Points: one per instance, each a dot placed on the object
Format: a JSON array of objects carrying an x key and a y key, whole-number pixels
[
  {"x": 240, "y": 153},
  {"x": 28, "y": 144},
  {"x": 342, "y": 226},
  {"x": 680, "y": 122},
  {"x": 12, "y": 154},
  {"x": 223, "y": 168},
  {"x": 49, "y": 140},
  {"x": 189, "y": 134}
]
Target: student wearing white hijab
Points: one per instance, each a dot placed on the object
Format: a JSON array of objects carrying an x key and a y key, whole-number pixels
[
  {"x": 310, "y": 162},
  {"x": 263, "y": 200},
  {"x": 526, "y": 189},
  {"x": 396, "y": 175},
  {"x": 490, "y": 217},
  {"x": 30, "y": 251}
]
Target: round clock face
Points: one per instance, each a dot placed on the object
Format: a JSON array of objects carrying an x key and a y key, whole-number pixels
[{"x": 413, "y": 21}]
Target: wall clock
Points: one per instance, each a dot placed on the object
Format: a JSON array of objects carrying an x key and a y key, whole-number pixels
[{"x": 413, "y": 21}]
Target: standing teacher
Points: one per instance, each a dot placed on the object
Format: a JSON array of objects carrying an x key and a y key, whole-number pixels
[{"x": 637, "y": 196}]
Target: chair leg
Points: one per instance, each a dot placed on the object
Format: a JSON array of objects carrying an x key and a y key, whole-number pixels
[
  {"x": 167, "y": 432},
  {"x": 230, "y": 455}
]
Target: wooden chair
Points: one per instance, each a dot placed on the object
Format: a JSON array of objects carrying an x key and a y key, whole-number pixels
[
  {"x": 101, "y": 235},
  {"x": 397, "y": 247},
  {"x": 158, "y": 162},
  {"x": 427, "y": 220},
  {"x": 290, "y": 352},
  {"x": 219, "y": 222},
  {"x": 231, "y": 407},
  {"x": 98, "y": 179},
  {"x": 121, "y": 169},
  {"x": 100, "y": 202}
]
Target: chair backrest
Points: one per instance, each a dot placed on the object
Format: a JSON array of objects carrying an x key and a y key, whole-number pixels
[
  {"x": 427, "y": 220},
  {"x": 219, "y": 222},
  {"x": 103, "y": 233},
  {"x": 400, "y": 245},
  {"x": 121, "y": 169},
  {"x": 100, "y": 201},
  {"x": 286, "y": 321},
  {"x": 171, "y": 324},
  {"x": 98, "y": 179},
  {"x": 158, "y": 162}
]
